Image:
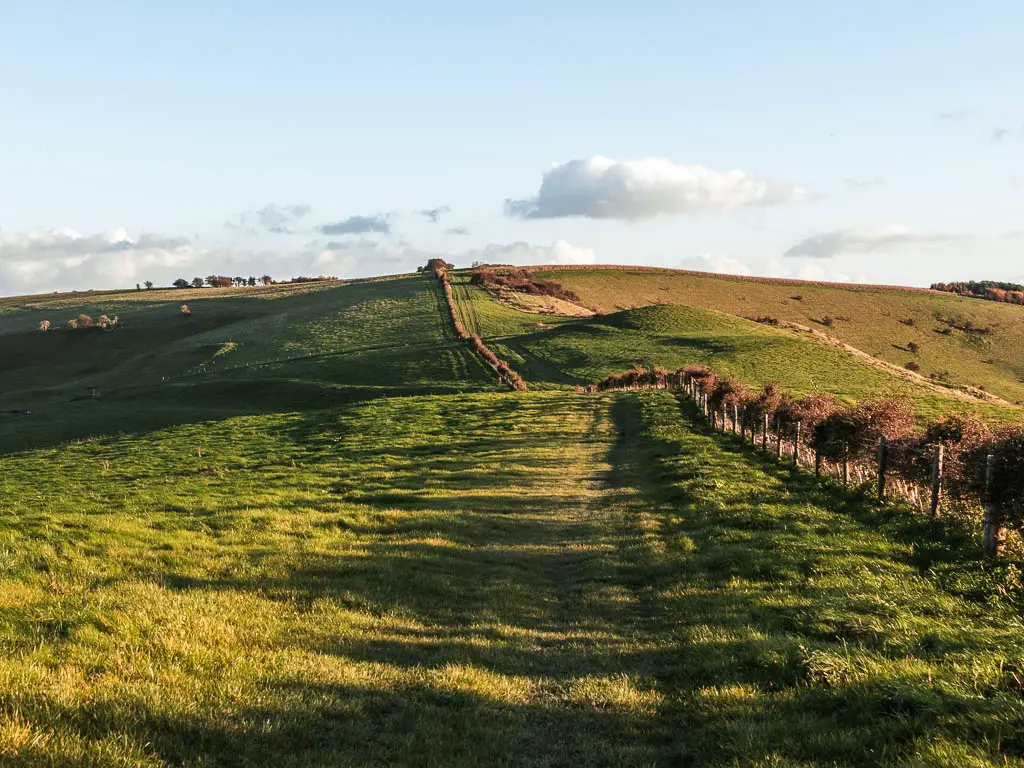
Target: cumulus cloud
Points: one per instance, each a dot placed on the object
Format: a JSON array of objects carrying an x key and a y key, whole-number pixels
[
  {"x": 719, "y": 263},
  {"x": 273, "y": 218},
  {"x": 435, "y": 214},
  {"x": 378, "y": 223},
  {"x": 829, "y": 244},
  {"x": 518, "y": 253},
  {"x": 64, "y": 258},
  {"x": 601, "y": 188}
]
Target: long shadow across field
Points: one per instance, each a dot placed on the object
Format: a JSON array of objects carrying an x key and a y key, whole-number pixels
[{"x": 643, "y": 598}]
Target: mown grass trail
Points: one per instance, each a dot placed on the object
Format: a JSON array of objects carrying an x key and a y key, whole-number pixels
[{"x": 491, "y": 579}]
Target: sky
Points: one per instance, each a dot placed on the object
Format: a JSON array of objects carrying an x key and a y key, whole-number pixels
[{"x": 874, "y": 141}]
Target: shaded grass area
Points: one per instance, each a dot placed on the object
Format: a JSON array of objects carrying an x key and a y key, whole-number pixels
[
  {"x": 489, "y": 579},
  {"x": 810, "y": 637},
  {"x": 878, "y": 321},
  {"x": 226, "y": 328},
  {"x": 336, "y": 345}
]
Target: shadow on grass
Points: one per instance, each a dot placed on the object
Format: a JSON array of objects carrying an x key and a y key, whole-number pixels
[{"x": 680, "y": 604}]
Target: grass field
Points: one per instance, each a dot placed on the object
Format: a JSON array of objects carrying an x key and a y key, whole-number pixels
[
  {"x": 339, "y": 344},
  {"x": 549, "y": 350},
  {"x": 541, "y": 579},
  {"x": 306, "y": 526},
  {"x": 873, "y": 320}
]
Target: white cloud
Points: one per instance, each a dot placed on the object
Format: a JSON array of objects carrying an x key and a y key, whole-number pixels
[
  {"x": 434, "y": 214},
  {"x": 521, "y": 253},
  {"x": 273, "y": 218},
  {"x": 62, "y": 259},
  {"x": 831, "y": 244},
  {"x": 601, "y": 188},
  {"x": 718, "y": 263},
  {"x": 377, "y": 223}
]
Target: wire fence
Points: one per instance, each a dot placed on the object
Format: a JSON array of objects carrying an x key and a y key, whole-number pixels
[{"x": 928, "y": 477}]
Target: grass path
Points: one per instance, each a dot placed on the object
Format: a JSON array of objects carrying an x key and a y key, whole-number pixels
[{"x": 542, "y": 579}]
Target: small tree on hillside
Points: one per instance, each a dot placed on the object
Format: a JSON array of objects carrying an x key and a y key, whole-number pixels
[
  {"x": 181, "y": 282},
  {"x": 197, "y": 282},
  {"x": 148, "y": 284},
  {"x": 267, "y": 279},
  {"x": 252, "y": 281}
]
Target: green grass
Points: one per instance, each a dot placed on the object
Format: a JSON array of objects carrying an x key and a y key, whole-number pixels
[
  {"x": 338, "y": 344},
  {"x": 489, "y": 579},
  {"x": 305, "y": 526},
  {"x": 557, "y": 351},
  {"x": 873, "y": 318}
]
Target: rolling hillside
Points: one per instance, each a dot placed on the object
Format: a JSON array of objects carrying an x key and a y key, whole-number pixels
[
  {"x": 240, "y": 350},
  {"x": 879, "y": 321},
  {"x": 305, "y": 525}
]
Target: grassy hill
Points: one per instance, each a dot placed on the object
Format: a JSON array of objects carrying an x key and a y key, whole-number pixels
[
  {"x": 879, "y": 321},
  {"x": 305, "y": 526},
  {"x": 572, "y": 351},
  {"x": 241, "y": 350}
]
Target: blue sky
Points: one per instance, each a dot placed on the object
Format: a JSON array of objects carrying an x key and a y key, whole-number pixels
[{"x": 879, "y": 142}]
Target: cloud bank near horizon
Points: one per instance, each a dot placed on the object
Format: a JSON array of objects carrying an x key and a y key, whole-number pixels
[{"x": 831, "y": 244}]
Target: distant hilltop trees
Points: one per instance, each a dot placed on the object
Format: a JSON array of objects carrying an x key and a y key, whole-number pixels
[
  {"x": 1010, "y": 293},
  {"x": 223, "y": 281}
]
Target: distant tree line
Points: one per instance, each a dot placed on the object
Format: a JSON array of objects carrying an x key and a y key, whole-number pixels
[
  {"x": 223, "y": 281},
  {"x": 1009, "y": 293}
]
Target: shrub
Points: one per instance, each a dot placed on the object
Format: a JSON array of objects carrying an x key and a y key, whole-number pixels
[
  {"x": 765, "y": 320},
  {"x": 768, "y": 400},
  {"x": 519, "y": 280},
  {"x": 729, "y": 392},
  {"x": 84, "y": 321},
  {"x": 861, "y": 427},
  {"x": 913, "y": 365},
  {"x": 798, "y": 297},
  {"x": 71, "y": 324},
  {"x": 913, "y": 346},
  {"x": 438, "y": 266},
  {"x": 909, "y": 322},
  {"x": 811, "y": 410},
  {"x": 44, "y": 325},
  {"x": 826, "y": 321},
  {"x": 185, "y": 310}
]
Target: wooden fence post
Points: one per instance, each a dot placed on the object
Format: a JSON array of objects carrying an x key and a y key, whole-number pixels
[
  {"x": 817, "y": 462},
  {"x": 735, "y": 418},
  {"x": 778, "y": 437},
  {"x": 937, "y": 480},
  {"x": 993, "y": 539},
  {"x": 846, "y": 464},
  {"x": 882, "y": 461},
  {"x": 764, "y": 431},
  {"x": 796, "y": 445}
]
